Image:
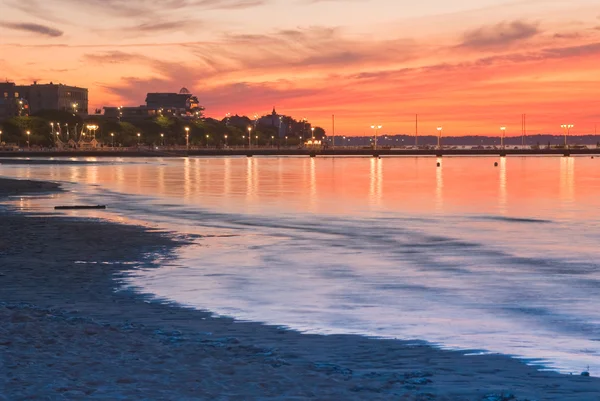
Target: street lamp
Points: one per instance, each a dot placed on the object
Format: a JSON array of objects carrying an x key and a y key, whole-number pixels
[
  {"x": 286, "y": 141},
  {"x": 567, "y": 129},
  {"x": 187, "y": 137},
  {"x": 207, "y": 140},
  {"x": 503, "y": 129},
  {"x": 249, "y": 137},
  {"x": 0, "y": 137},
  {"x": 139, "y": 135},
  {"x": 225, "y": 140},
  {"x": 162, "y": 139},
  {"x": 313, "y": 132},
  {"x": 272, "y": 140},
  {"x": 74, "y": 105},
  {"x": 28, "y": 133},
  {"x": 440, "y": 129},
  {"x": 112, "y": 136},
  {"x": 257, "y": 141},
  {"x": 376, "y": 128}
]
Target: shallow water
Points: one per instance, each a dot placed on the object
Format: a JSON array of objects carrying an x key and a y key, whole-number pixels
[{"x": 467, "y": 255}]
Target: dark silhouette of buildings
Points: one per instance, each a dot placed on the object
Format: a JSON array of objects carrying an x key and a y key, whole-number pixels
[{"x": 54, "y": 97}]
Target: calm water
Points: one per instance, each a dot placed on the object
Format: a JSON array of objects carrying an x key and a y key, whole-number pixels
[{"x": 467, "y": 255}]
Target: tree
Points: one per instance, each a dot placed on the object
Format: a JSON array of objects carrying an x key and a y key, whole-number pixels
[
  {"x": 319, "y": 133},
  {"x": 16, "y": 128}
]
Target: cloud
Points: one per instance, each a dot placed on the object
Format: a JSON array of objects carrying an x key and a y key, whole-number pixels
[
  {"x": 34, "y": 28},
  {"x": 499, "y": 35}
]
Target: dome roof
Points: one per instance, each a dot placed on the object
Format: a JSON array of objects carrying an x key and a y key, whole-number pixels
[{"x": 184, "y": 91}]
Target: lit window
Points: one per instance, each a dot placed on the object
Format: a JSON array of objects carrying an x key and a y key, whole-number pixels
[
  {"x": 16, "y": 94},
  {"x": 6, "y": 95}
]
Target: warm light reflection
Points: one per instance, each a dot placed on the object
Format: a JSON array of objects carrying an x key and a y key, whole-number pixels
[
  {"x": 529, "y": 185},
  {"x": 376, "y": 182},
  {"x": 312, "y": 184},
  {"x": 187, "y": 182},
  {"x": 502, "y": 193},
  {"x": 567, "y": 182},
  {"x": 250, "y": 181},
  {"x": 439, "y": 186}
]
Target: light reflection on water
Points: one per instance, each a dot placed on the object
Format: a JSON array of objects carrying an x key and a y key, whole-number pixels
[{"x": 467, "y": 255}]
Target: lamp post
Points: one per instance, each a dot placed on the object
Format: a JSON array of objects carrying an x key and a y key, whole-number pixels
[
  {"x": 272, "y": 140},
  {"x": 187, "y": 138},
  {"x": 28, "y": 133},
  {"x": 440, "y": 129},
  {"x": 207, "y": 140},
  {"x": 139, "y": 135},
  {"x": 0, "y": 137},
  {"x": 257, "y": 141},
  {"x": 376, "y": 128},
  {"x": 503, "y": 129},
  {"x": 225, "y": 140},
  {"x": 250, "y": 137},
  {"x": 112, "y": 137},
  {"x": 567, "y": 129},
  {"x": 74, "y": 105},
  {"x": 285, "y": 139},
  {"x": 162, "y": 139},
  {"x": 313, "y": 133}
]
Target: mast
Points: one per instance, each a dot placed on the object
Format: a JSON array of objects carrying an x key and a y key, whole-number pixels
[{"x": 416, "y": 130}]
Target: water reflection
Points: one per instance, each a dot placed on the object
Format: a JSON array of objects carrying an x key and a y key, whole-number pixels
[
  {"x": 187, "y": 182},
  {"x": 376, "y": 182},
  {"x": 490, "y": 253},
  {"x": 312, "y": 188},
  {"x": 439, "y": 185},
  {"x": 503, "y": 190},
  {"x": 567, "y": 181}
]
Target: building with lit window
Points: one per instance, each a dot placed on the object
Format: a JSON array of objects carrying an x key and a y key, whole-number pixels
[
  {"x": 11, "y": 102},
  {"x": 55, "y": 97},
  {"x": 179, "y": 104}
]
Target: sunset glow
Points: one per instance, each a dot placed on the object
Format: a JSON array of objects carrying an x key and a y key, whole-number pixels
[{"x": 469, "y": 66}]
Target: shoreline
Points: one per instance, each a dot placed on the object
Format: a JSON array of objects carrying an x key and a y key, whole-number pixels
[{"x": 90, "y": 340}]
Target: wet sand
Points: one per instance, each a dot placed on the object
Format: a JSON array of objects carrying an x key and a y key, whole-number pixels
[{"x": 68, "y": 333}]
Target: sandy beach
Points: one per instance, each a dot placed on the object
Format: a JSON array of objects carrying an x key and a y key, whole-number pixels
[{"x": 70, "y": 332}]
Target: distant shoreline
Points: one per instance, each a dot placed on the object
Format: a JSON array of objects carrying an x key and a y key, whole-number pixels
[{"x": 302, "y": 152}]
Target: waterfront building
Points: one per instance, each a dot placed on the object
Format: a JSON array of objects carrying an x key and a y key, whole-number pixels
[
  {"x": 55, "y": 97},
  {"x": 11, "y": 102},
  {"x": 283, "y": 124},
  {"x": 182, "y": 104},
  {"x": 178, "y": 104}
]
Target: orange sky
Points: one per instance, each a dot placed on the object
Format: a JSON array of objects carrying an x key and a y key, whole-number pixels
[{"x": 470, "y": 66}]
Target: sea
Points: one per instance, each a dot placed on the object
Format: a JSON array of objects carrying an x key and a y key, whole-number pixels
[{"x": 480, "y": 254}]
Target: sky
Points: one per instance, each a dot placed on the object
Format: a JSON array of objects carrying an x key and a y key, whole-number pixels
[{"x": 470, "y": 66}]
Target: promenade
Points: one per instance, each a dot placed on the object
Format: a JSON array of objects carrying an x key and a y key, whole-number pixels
[{"x": 331, "y": 152}]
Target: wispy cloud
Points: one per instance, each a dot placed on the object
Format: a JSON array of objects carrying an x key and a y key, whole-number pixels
[
  {"x": 499, "y": 35},
  {"x": 33, "y": 28}
]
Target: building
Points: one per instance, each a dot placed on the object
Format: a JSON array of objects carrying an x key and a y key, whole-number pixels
[
  {"x": 11, "y": 102},
  {"x": 179, "y": 104},
  {"x": 285, "y": 125},
  {"x": 182, "y": 104},
  {"x": 55, "y": 97}
]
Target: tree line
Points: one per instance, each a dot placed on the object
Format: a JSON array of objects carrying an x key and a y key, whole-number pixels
[{"x": 232, "y": 131}]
